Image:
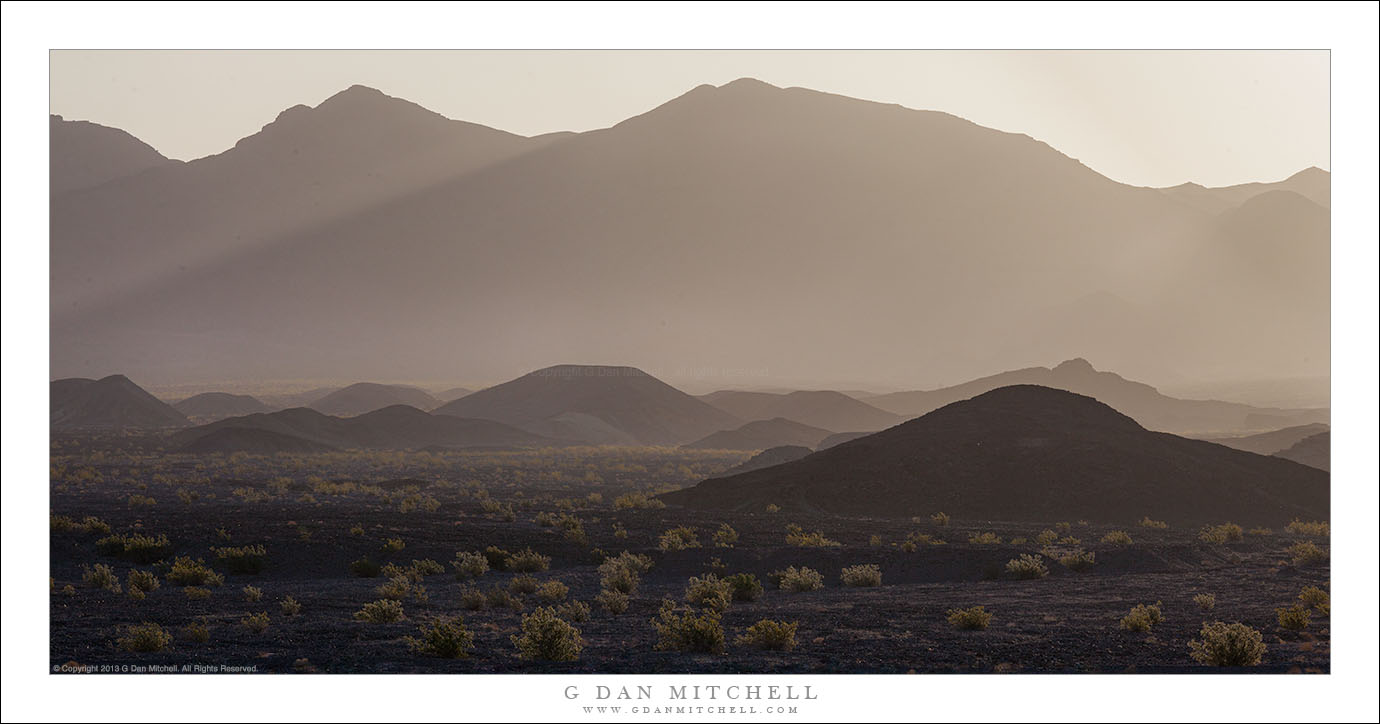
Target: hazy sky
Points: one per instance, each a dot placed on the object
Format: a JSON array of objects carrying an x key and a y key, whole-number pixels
[{"x": 1153, "y": 118}]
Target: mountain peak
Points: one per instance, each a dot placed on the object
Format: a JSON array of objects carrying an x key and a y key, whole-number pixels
[
  {"x": 748, "y": 84},
  {"x": 1077, "y": 365}
]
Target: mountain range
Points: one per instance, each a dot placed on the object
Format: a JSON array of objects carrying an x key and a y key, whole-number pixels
[
  {"x": 730, "y": 227},
  {"x": 110, "y": 403},
  {"x": 761, "y": 435},
  {"x": 1026, "y": 452},
  {"x": 821, "y": 408}
]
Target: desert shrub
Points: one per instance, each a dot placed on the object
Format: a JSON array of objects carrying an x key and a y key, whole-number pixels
[
  {"x": 1064, "y": 528},
  {"x": 636, "y": 501},
  {"x": 725, "y": 536},
  {"x": 399, "y": 588},
  {"x": 744, "y": 587},
  {"x": 1311, "y": 528},
  {"x": 141, "y": 581},
  {"x": 470, "y": 565},
  {"x": 196, "y": 593},
  {"x": 61, "y": 524},
  {"x": 196, "y": 632},
  {"x": 769, "y": 635},
  {"x": 357, "y": 530},
  {"x": 255, "y": 622},
  {"x": 1019, "y": 540},
  {"x": 614, "y": 602},
  {"x": 1294, "y": 618},
  {"x": 142, "y": 500},
  {"x": 797, "y": 580},
  {"x": 678, "y": 539},
  {"x": 940, "y": 519},
  {"x": 1306, "y": 553},
  {"x": 101, "y": 576},
  {"x": 773, "y": 508},
  {"x": 622, "y": 572},
  {"x": 861, "y": 575},
  {"x": 1259, "y": 531},
  {"x": 523, "y": 585},
  {"x": 797, "y": 536},
  {"x": 365, "y": 568},
  {"x": 573, "y": 611},
  {"x": 874, "y": 540},
  {"x": 1047, "y": 537},
  {"x": 686, "y": 630},
  {"x": 392, "y": 545},
  {"x": 135, "y": 547},
  {"x": 975, "y": 618},
  {"x": 1224, "y": 533},
  {"x": 500, "y": 597},
  {"x": 1314, "y": 597},
  {"x": 552, "y": 592},
  {"x": 635, "y": 562},
  {"x": 393, "y": 570},
  {"x": 472, "y": 599},
  {"x": 528, "y": 561},
  {"x": 1117, "y": 537},
  {"x": 1205, "y": 601},
  {"x": 92, "y": 524},
  {"x": 187, "y": 572},
  {"x": 242, "y": 559},
  {"x": 1222, "y": 644},
  {"x": 428, "y": 567},
  {"x": 252, "y": 594},
  {"x": 69, "y": 590},
  {"x": 381, "y": 611},
  {"x": 497, "y": 558},
  {"x": 445, "y": 638},
  {"x": 986, "y": 539},
  {"x": 1148, "y": 522},
  {"x": 418, "y": 501},
  {"x": 289, "y": 606},
  {"x": 1027, "y": 566},
  {"x": 619, "y": 531},
  {"x": 1142, "y": 617},
  {"x": 546, "y": 637},
  {"x": 710, "y": 592},
  {"x": 144, "y": 638},
  {"x": 1077, "y": 559}
]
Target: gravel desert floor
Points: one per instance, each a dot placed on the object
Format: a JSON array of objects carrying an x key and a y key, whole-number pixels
[{"x": 317, "y": 516}]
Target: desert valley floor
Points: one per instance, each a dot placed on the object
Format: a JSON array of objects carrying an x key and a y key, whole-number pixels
[{"x": 317, "y": 515}]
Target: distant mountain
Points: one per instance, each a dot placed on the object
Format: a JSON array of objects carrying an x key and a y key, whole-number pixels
[
  {"x": 1028, "y": 453},
  {"x": 1312, "y": 183},
  {"x": 762, "y": 434},
  {"x": 768, "y": 458},
  {"x": 826, "y": 409},
  {"x": 212, "y": 406},
  {"x": 397, "y": 427},
  {"x": 112, "y": 402},
  {"x": 83, "y": 154},
  {"x": 453, "y": 393},
  {"x": 252, "y": 440},
  {"x": 1137, "y": 400},
  {"x": 1272, "y": 442},
  {"x": 839, "y": 438},
  {"x": 1314, "y": 451},
  {"x": 363, "y": 397},
  {"x": 591, "y": 404},
  {"x": 705, "y": 232}
]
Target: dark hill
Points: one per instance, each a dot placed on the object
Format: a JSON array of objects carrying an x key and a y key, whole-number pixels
[
  {"x": 82, "y": 154},
  {"x": 590, "y": 404},
  {"x": 256, "y": 441},
  {"x": 363, "y": 397},
  {"x": 819, "y": 408},
  {"x": 212, "y": 406},
  {"x": 396, "y": 427},
  {"x": 762, "y": 434},
  {"x": 768, "y": 458},
  {"x": 1029, "y": 453},
  {"x": 1315, "y": 451},
  {"x": 1269, "y": 443},
  {"x": 112, "y": 402},
  {"x": 839, "y": 438}
]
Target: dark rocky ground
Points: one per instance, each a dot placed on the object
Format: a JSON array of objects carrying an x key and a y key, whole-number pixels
[{"x": 1067, "y": 622}]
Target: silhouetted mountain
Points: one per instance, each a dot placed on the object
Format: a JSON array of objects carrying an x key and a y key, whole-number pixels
[
  {"x": 1269, "y": 443},
  {"x": 252, "y": 440},
  {"x": 212, "y": 406},
  {"x": 1314, "y": 451},
  {"x": 762, "y": 434},
  {"x": 453, "y": 394},
  {"x": 708, "y": 229},
  {"x": 826, "y": 409},
  {"x": 839, "y": 438},
  {"x": 112, "y": 402},
  {"x": 1312, "y": 183},
  {"x": 596, "y": 405},
  {"x": 1028, "y": 453},
  {"x": 768, "y": 458},
  {"x": 83, "y": 154},
  {"x": 395, "y": 427},
  {"x": 363, "y": 397},
  {"x": 1140, "y": 401}
]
